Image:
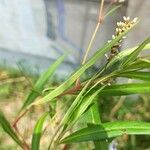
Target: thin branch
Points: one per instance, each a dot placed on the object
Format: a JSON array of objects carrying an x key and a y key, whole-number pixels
[
  {"x": 95, "y": 32},
  {"x": 100, "y": 17}
]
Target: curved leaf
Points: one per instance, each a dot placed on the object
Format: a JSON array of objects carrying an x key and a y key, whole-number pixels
[
  {"x": 39, "y": 85},
  {"x": 37, "y": 132},
  {"x": 108, "y": 130},
  {"x": 125, "y": 89},
  {"x": 136, "y": 75},
  {"x": 139, "y": 64},
  {"x": 87, "y": 100},
  {"x": 135, "y": 53},
  {"x": 116, "y": 62},
  {"x": 9, "y": 130}
]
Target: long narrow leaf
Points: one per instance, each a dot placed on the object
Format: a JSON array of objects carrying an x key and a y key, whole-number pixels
[
  {"x": 9, "y": 130},
  {"x": 39, "y": 85},
  {"x": 108, "y": 130},
  {"x": 140, "y": 75},
  {"x": 112, "y": 10},
  {"x": 94, "y": 113},
  {"x": 37, "y": 132},
  {"x": 98, "y": 55},
  {"x": 74, "y": 105},
  {"x": 125, "y": 89},
  {"x": 95, "y": 119},
  {"x": 86, "y": 102},
  {"x": 139, "y": 64},
  {"x": 135, "y": 53},
  {"x": 116, "y": 62}
]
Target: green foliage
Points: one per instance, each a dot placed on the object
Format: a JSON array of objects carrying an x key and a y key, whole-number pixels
[
  {"x": 135, "y": 53},
  {"x": 108, "y": 130},
  {"x": 85, "y": 97},
  {"x": 9, "y": 130},
  {"x": 38, "y": 132},
  {"x": 98, "y": 55},
  {"x": 39, "y": 85}
]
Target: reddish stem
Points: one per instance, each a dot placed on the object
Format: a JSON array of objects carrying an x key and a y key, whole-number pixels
[
  {"x": 18, "y": 118},
  {"x": 72, "y": 90},
  {"x": 65, "y": 147}
]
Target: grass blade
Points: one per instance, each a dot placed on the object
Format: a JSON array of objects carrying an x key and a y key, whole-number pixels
[
  {"x": 95, "y": 119},
  {"x": 116, "y": 62},
  {"x": 94, "y": 113},
  {"x": 112, "y": 10},
  {"x": 98, "y": 55},
  {"x": 139, "y": 64},
  {"x": 135, "y": 53},
  {"x": 86, "y": 102},
  {"x": 39, "y": 85},
  {"x": 125, "y": 89},
  {"x": 37, "y": 132},
  {"x": 108, "y": 130},
  {"x": 9, "y": 130},
  {"x": 140, "y": 75}
]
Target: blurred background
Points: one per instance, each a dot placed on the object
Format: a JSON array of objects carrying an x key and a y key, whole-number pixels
[{"x": 33, "y": 33}]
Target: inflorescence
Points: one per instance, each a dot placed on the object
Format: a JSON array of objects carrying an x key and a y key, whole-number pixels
[{"x": 121, "y": 27}]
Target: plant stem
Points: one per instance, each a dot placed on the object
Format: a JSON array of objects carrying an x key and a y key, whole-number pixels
[
  {"x": 95, "y": 32},
  {"x": 90, "y": 43},
  {"x": 133, "y": 142}
]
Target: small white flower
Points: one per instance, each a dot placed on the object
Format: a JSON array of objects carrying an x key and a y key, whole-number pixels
[
  {"x": 128, "y": 18},
  {"x": 108, "y": 41},
  {"x": 113, "y": 37},
  {"x": 117, "y": 30},
  {"x": 135, "y": 20},
  {"x": 124, "y": 18},
  {"x": 118, "y": 24}
]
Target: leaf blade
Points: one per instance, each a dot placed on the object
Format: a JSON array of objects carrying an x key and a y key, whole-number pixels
[
  {"x": 37, "y": 132},
  {"x": 9, "y": 130},
  {"x": 140, "y": 75},
  {"x": 125, "y": 89},
  {"x": 117, "y": 61},
  {"x": 108, "y": 130},
  {"x": 39, "y": 85},
  {"x": 135, "y": 53}
]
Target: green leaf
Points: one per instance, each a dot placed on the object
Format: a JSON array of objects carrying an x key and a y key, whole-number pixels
[
  {"x": 115, "y": 63},
  {"x": 135, "y": 53},
  {"x": 94, "y": 113},
  {"x": 87, "y": 100},
  {"x": 108, "y": 130},
  {"x": 140, "y": 75},
  {"x": 125, "y": 89},
  {"x": 37, "y": 132},
  {"x": 112, "y": 10},
  {"x": 74, "y": 105},
  {"x": 39, "y": 85},
  {"x": 9, "y": 130},
  {"x": 139, "y": 64},
  {"x": 76, "y": 109},
  {"x": 95, "y": 119},
  {"x": 98, "y": 55}
]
